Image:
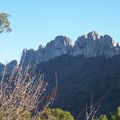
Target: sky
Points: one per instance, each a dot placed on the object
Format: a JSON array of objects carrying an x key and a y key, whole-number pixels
[{"x": 36, "y": 22}]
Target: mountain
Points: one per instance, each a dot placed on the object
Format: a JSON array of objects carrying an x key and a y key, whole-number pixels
[
  {"x": 80, "y": 78},
  {"x": 90, "y": 67},
  {"x": 90, "y": 45},
  {"x": 59, "y": 46}
]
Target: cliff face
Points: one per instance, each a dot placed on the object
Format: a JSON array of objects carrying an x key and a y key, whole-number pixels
[
  {"x": 90, "y": 45},
  {"x": 9, "y": 67},
  {"x": 59, "y": 46},
  {"x": 95, "y": 45}
]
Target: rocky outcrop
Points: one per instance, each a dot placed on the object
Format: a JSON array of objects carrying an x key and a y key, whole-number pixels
[
  {"x": 90, "y": 45},
  {"x": 59, "y": 46},
  {"x": 1, "y": 68},
  {"x": 93, "y": 44},
  {"x": 9, "y": 67}
]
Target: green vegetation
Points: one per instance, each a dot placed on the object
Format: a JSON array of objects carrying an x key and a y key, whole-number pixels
[
  {"x": 47, "y": 114},
  {"x": 102, "y": 117},
  {"x": 116, "y": 115},
  {"x": 56, "y": 114},
  {"x": 52, "y": 114},
  {"x": 113, "y": 116},
  {"x": 4, "y": 23},
  {"x": 15, "y": 114}
]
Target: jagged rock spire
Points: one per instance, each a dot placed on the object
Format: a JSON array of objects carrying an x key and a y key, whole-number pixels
[
  {"x": 93, "y": 35},
  {"x": 95, "y": 45}
]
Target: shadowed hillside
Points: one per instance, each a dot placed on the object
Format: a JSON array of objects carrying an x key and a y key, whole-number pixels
[{"x": 80, "y": 78}]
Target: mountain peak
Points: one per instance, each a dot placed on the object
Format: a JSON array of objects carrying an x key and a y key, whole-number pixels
[
  {"x": 94, "y": 44},
  {"x": 93, "y": 35},
  {"x": 60, "y": 39}
]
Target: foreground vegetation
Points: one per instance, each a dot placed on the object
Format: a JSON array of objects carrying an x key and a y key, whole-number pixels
[
  {"x": 53, "y": 114},
  {"x": 112, "y": 116},
  {"x": 47, "y": 114}
]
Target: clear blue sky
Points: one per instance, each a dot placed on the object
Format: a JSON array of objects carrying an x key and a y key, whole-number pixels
[{"x": 36, "y": 22}]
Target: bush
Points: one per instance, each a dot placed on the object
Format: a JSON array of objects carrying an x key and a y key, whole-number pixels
[
  {"x": 55, "y": 114},
  {"x": 113, "y": 116},
  {"x": 47, "y": 114}
]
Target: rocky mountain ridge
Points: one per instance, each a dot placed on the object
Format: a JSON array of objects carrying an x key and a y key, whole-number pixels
[{"x": 90, "y": 45}]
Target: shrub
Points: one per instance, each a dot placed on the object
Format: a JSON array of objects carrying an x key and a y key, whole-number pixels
[{"x": 55, "y": 114}]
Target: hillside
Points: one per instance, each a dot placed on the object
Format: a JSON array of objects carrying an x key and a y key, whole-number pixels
[{"x": 79, "y": 78}]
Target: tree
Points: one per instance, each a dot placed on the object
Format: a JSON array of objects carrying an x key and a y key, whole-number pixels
[
  {"x": 112, "y": 116},
  {"x": 116, "y": 115},
  {"x": 91, "y": 110},
  {"x": 103, "y": 117},
  {"x": 4, "y": 23},
  {"x": 22, "y": 91},
  {"x": 55, "y": 114}
]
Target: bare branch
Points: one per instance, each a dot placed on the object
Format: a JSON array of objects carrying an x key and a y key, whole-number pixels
[{"x": 24, "y": 90}]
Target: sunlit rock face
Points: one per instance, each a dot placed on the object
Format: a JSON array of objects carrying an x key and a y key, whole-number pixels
[
  {"x": 90, "y": 45},
  {"x": 93, "y": 44},
  {"x": 61, "y": 45}
]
